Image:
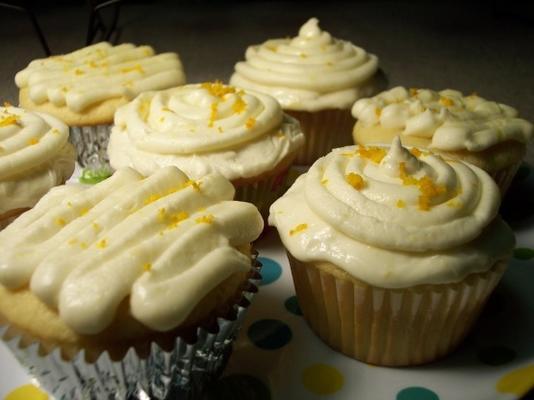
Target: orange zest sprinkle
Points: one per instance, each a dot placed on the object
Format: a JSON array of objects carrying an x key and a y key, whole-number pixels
[
  {"x": 205, "y": 219},
  {"x": 355, "y": 180},
  {"x": 427, "y": 188},
  {"x": 136, "y": 67},
  {"x": 239, "y": 106},
  {"x": 144, "y": 109},
  {"x": 375, "y": 154},
  {"x": 446, "y": 101},
  {"x": 60, "y": 221},
  {"x": 213, "y": 114},
  {"x": 298, "y": 229},
  {"x": 152, "y": 198},
  {"x": 33, "y": 141},
  {"x": 416, "y": 152},
  {"x": 217, "y": 88},
  {"x": 9, "y": 120},
  {"x": 324, "y": 181},
  {"x": 401, "y": 203},
  {"x": 250, "y": 123},
  {"x": 147, "y": 267},
  {"x": 102, "y": 244},
  {"x": 84, "y": 211}
]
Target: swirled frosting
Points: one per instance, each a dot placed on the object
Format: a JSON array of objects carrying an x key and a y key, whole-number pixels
[
  {"x": 203, "y": 128},
  {"x": 310, "y": 72},
  {"x": 100, "y": 72},
  {"x": 163, "y": 242},
  {"x": 34, "y": 156},
  {"x": 448, "y": 119},
  {"x": 394, "y": 218}
]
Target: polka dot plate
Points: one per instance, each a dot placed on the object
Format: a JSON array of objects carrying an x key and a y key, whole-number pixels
[{"x": 278, "y": 357}]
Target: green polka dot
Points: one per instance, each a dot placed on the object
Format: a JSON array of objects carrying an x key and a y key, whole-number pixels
[
  {"x": 238, "y": 386},
  {"x": 416, "y": 393},
  {"x": 523, "y": 253},
  {"x": 269, "y": 334},
  {"x": 322, "y": 379},
  {"x": 292, "y": 305},
  {"x": 496, "y": 355},
  {"x": 270, "y": 270}
]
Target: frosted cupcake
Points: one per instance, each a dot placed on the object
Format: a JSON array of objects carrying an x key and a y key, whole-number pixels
[
  {"x": 316, "y": 78},
  {"x": 34, "y": 156},
  {"x": 470, "y": 128},
  {"x": 85, "y": 87},
  {"x": 393, "y": 252},
  {"x": 209, "y": 127},
  {"x": 134, "y": 270}
]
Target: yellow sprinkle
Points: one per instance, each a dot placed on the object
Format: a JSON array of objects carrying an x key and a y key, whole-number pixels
[
  {"x": 137, "y": 68},
  {"x": 375, "y": 154},
  {"x": 446, "y": 101},
  {"x": 213, "y": 114},
  {"x": 355, "y": 180},
  {"x": 205, "y": 219},
  {"x": 239, "y": 106},
  {"x": 298, "y": 229},
  {"x": 250, "y": 123},
  {"x": 33, "y": 141},
  {"x": 60, "y": 221},
  {"x": 401, "y": 203},
  {"x": 78, "y": 71},
  {"x": 147, "y": 267},
  {"x": 9, "y": 120},
  {"x": 217, "y": 88},
  {"x": 161, "y": 215},
  {"x": 102, "y": 244},
  {"x": 416, "y": 152}
]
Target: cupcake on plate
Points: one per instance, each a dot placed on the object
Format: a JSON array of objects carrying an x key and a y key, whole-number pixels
[
  {"x": 35, "y": 155},
  {"x": 209, "y": 127},
  {"x": 484, "y": 133},
  {"x": 85, "y": 87},
  {"x": 316, "y": 78},
  {"x": 128, "y": 288},
  {"x": 393, "y": 252}
]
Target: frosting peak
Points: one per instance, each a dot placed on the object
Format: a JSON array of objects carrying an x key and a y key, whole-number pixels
[{"x": 311, "y": 71}]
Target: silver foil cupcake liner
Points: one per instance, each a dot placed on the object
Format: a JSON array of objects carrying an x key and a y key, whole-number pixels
[
  {"x": 178, "y": 374},
  {"x": 91, "y": 143}
]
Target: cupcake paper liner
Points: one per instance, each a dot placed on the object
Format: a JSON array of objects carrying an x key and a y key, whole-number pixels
[
  {"x": 180, "y": 373},
  {"x": 324, "y": 130},
  {"x": 505, "y": 176},
  {"x": 391, "y": 327},
  {"x": 91, "y": 144},
  {"x": 263, "y": 192}
]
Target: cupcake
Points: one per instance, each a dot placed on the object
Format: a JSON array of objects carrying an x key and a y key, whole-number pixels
[
  {"x": 470, "y": 128},
  {"x": 209, "y": 127},
  {"x": 35, "y": 155},
  {"x": 85, "y": 87},
  {"x": 393, "y": 252},
  {"x": 128, "y": 287},
  {"x": 316, "y": 79}
]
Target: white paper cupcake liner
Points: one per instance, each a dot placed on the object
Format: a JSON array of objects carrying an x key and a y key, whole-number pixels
[
  {"x": 178, "y": 374},
  {"x": 391, "y": 327},
  {"x": 91, "y": 144},
  {"x": 505, "y": 176}
]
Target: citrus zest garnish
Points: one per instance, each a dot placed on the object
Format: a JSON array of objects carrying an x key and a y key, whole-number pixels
[
  {"x": 136, "y": 67},
  {"x": 147, "y": 267},
  {"x": 375, "y": 154},
  {"x": 298, "y": 229},
  {"x": 416, "y": 152},
  {"x": 446, "y": 101},
  {"x": 239, "y": 106},
  {"x": 60, "y": 221},
  {"x": 205, "y": 219},
  {"x": 217, "y": 88},
  {"x": 250, "y": 123},
  {"x": 9, "y": 120},
  {"x": 33, "y": 141},
  {"x": 401, "y": 203},
  {"x": 102, "y": 244},
  {"x": 355, "y": 180}
]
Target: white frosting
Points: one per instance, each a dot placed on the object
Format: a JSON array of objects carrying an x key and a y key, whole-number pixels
[
  {"x": 408, "y": 221},
  {"x": 450, "y": 120},
  {"x": 99, "y": 72},
  {"x": 164, "y": 242},
  {"x": 310, "y": 72},
  {"x": 203, "y": 128},
  {"x": 34, "y": 156}
]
